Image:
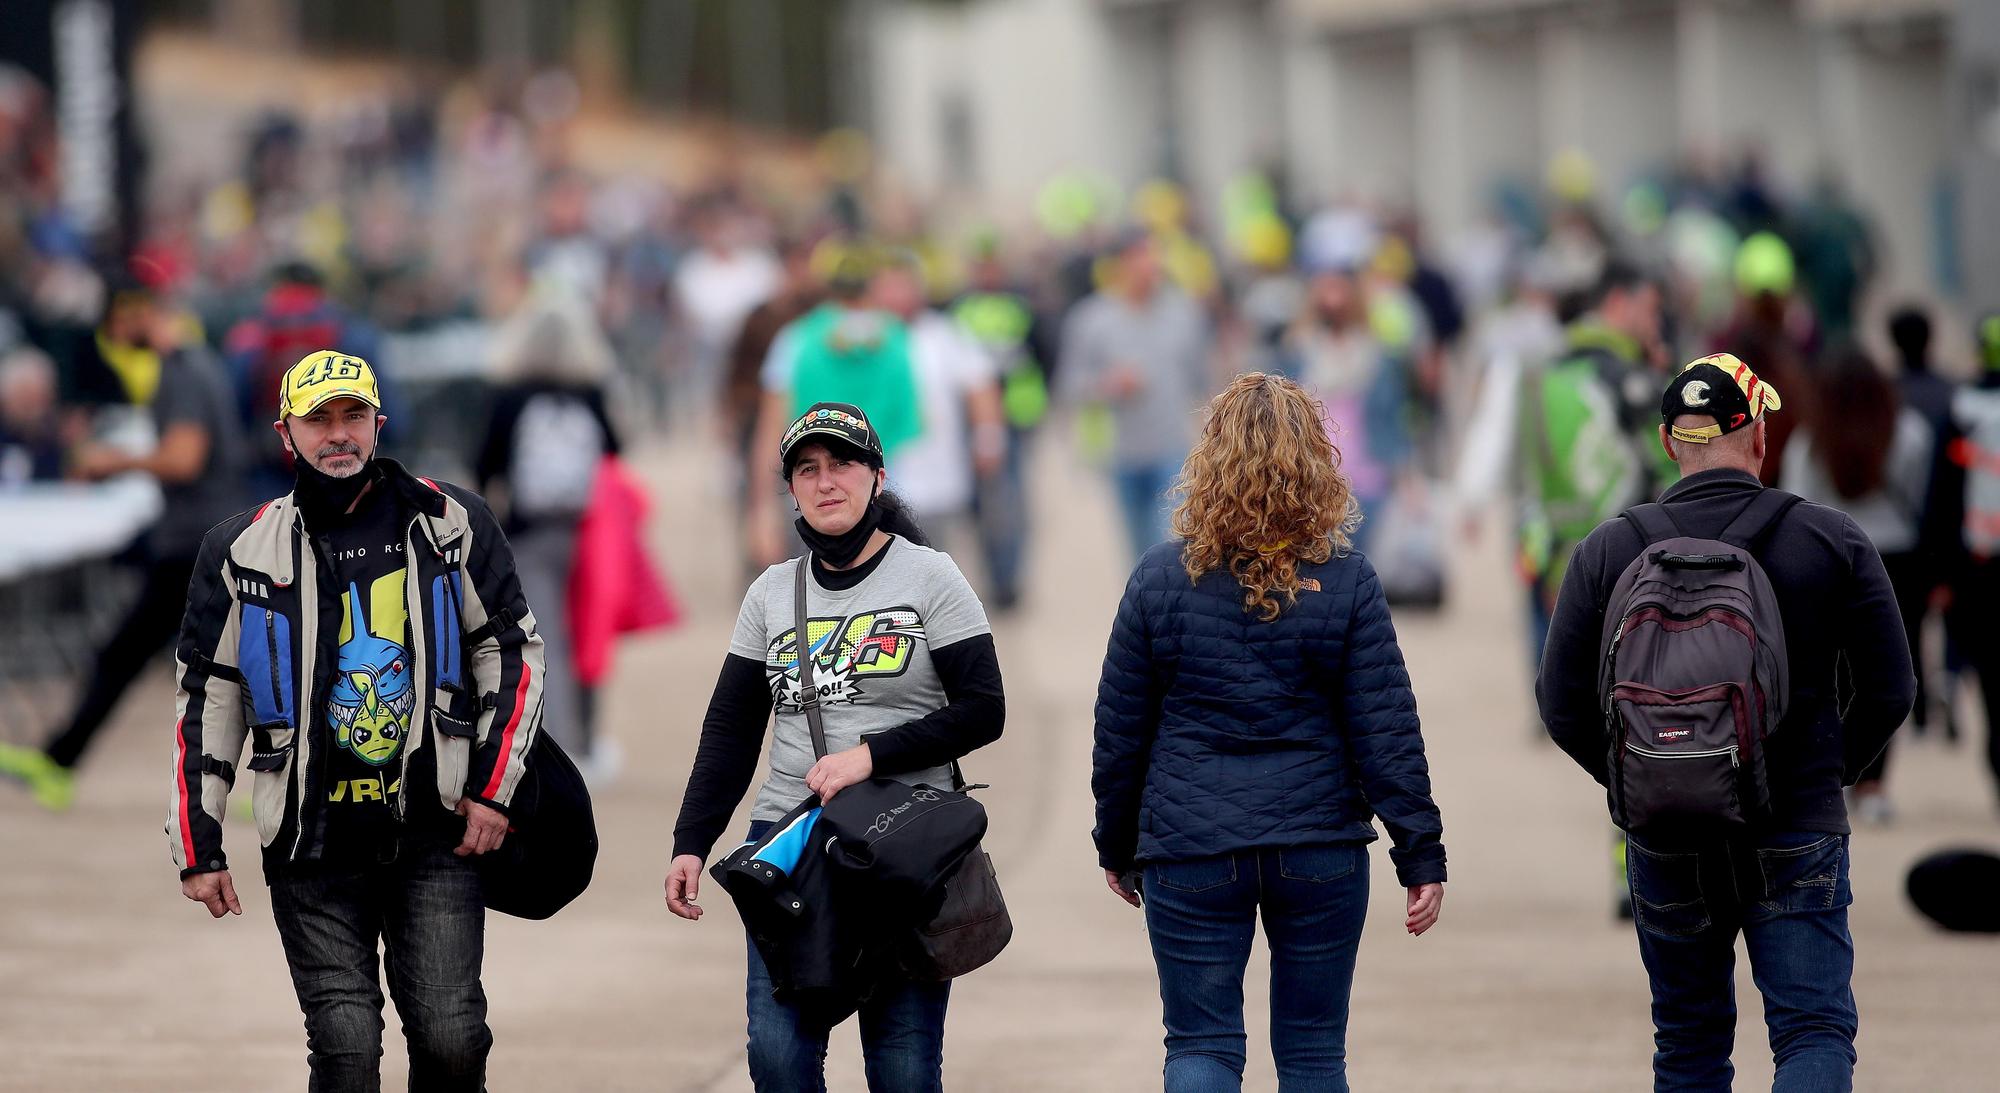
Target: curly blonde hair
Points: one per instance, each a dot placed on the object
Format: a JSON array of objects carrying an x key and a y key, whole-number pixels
[{"x": 1263, "y": 492}]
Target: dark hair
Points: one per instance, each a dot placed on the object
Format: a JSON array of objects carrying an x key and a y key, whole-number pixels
[
  {"x": 1618, "y": 276},
  {"x": 899, "y": 519},
  {"x": 1854, "y": 410},
  {"x": 1910, "y": 331}
]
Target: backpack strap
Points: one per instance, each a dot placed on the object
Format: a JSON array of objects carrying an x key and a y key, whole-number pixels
[
  {"x": 1754, "y": 524},
  {"x": 1654, "y": 522}
]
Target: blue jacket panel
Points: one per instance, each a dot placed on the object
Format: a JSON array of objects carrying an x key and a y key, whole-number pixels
[{"x": 1219, "y": 732}]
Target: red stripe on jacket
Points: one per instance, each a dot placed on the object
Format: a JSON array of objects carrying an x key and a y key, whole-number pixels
[
  {"x": 507, "y": 736},
  {"x": 181, "y": 783}
]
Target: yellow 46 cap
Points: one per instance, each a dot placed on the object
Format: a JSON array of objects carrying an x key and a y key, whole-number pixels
[{"x": 327, "y": 374}]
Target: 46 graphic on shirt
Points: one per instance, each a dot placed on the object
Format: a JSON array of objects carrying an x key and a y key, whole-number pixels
[{"x": 846, "y": 651}]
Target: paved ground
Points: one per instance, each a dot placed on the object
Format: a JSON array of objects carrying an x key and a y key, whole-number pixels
[{"x": 116, "y": 983}]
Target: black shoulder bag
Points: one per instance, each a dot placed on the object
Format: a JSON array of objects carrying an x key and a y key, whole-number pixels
[{"x": 915, "y": 848}]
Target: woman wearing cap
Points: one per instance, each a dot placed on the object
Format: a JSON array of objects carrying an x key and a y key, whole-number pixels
[
  {"x": 1254, "y": 714},
  {"x": 908, "y": 681}
]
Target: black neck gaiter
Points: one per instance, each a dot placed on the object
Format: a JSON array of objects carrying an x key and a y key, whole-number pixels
[
  {"x": 839, "y": 551},
  {"x": 324, "y": 499}
]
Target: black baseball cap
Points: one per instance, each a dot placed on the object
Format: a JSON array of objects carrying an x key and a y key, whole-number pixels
[
  {"x": 843, "y": 422},
  {"x": 1718, "y": 386}
]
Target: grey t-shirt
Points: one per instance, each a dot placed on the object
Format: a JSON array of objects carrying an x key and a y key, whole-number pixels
[
  {"x": 1166, "y": 342},
  {"x": 193, "y": 391},
  {"x": 871, "y": 658}
]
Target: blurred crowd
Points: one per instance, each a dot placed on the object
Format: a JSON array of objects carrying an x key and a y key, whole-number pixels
[{"x": 531, "y": 313}]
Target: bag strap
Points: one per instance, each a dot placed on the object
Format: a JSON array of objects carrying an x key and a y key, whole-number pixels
[
  {"x": 808, "y": 695},
  {"x": 1758, "y": 518},
  {"x": 1654, "y": 522}
]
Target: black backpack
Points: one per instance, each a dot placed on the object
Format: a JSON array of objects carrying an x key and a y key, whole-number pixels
[{"x": 1693, "y": 675}]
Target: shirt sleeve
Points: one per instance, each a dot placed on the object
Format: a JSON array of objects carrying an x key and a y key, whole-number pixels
[
  {"x": 974, "y": 713},
  {"x": 1566, "y": 686},
  {"x": 955, "y": 612},
  {"x": 732, "y": 734},
  {"x": 752, "y": 637}
]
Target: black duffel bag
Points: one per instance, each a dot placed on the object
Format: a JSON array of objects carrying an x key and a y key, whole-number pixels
[{"x": 551, "y": 846}]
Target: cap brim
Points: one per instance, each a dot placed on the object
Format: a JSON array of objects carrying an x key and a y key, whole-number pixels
[
  {"x": 825, "y": 431},
  {"x": 328, "y": 396}
]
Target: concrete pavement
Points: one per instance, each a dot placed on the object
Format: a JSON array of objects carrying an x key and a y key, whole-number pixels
[{"x": 116, "y": 983}]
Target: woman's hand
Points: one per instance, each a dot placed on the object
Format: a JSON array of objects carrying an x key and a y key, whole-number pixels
[
  {"x": 1426, "y": 903},
  {"x": 683, "y": 884},
  {"x": 836, "y": 772},
  {"x": 1116, "y": 881}
]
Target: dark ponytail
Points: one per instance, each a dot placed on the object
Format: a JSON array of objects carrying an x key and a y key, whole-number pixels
[{"x": 899, "y": 519}]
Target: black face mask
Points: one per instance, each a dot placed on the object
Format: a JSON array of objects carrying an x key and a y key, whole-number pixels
[
  {"x": 839, "y": 551},
  {"x": 325, "y": 499}
]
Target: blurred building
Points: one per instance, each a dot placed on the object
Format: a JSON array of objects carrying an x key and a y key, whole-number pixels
[{"x": 1437, "y": 103}]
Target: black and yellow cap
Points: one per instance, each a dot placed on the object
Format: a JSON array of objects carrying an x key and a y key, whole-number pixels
[
  {"x": 1718, "y": 386},
  {"x": 323, "y": 375}
]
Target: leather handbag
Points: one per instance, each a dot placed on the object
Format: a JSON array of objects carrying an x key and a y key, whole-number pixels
[{"x": 917, "y": 846}]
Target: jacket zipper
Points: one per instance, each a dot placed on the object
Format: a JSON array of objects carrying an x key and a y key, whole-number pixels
[
  {"x": 308, "y": 670},
  {"x": 271, "y": 644},
  {"x": 413, "y": 596}
]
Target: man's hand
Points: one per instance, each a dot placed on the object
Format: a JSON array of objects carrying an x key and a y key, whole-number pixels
[
  {"x": 1426, "y": 902},
  {"x": 214, "y": 891},
  {"x": 485, "y": 827},
  {"x": 838, "y": 771},
  {"x": 683, "y": 885}
]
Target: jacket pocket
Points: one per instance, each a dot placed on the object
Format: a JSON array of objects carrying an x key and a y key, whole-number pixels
[
  {"x": 1318, "y": 864},
  {"x": 1194, "y": 876},
  {"x": 264, "y": 658},
  {"x": 271, "y": 746},
  {"x": 452, "y": 736},
  {"x": 271, "y": 763}
]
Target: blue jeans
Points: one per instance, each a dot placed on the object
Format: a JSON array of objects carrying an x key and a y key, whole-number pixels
[
  {"x": 1788, "y": 895},
  {"x": 1201, "y": 916},
  {"x": 426, "y": 907},
  {"x": 1142, "y": 501},
  {"x": 902, "y": 1035}
]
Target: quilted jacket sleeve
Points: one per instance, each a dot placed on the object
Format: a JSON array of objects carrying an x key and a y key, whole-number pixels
[
  {"x": 1380, "y": 714},
  {"x": 1128, "y": 716}
]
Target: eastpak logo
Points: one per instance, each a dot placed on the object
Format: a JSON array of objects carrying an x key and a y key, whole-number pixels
[{"x": 1672, "y": 736}]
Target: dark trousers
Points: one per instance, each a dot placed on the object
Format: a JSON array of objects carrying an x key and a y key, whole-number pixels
[
  {"x": 150, "y": 625},
  {"x": 1001, "y": 505},
  {"x": 426, "y": 909},
  {"x": 1788, "y": 895},
  {"x": 1201, "y": 916}
]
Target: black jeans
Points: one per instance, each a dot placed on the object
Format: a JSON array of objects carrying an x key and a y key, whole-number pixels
[
  {"x": 426, "y": 906},
  {"x": 148, "y": 627}
]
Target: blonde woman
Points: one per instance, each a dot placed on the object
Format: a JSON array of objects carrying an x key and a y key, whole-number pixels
[{"x": 1253, "y": 717}]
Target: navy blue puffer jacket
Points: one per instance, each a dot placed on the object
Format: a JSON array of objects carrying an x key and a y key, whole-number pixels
[{"x": 1219, "y": 732}]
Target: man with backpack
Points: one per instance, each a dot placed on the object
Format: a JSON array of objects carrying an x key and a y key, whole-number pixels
[{"x": 1694, "y": 669}]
